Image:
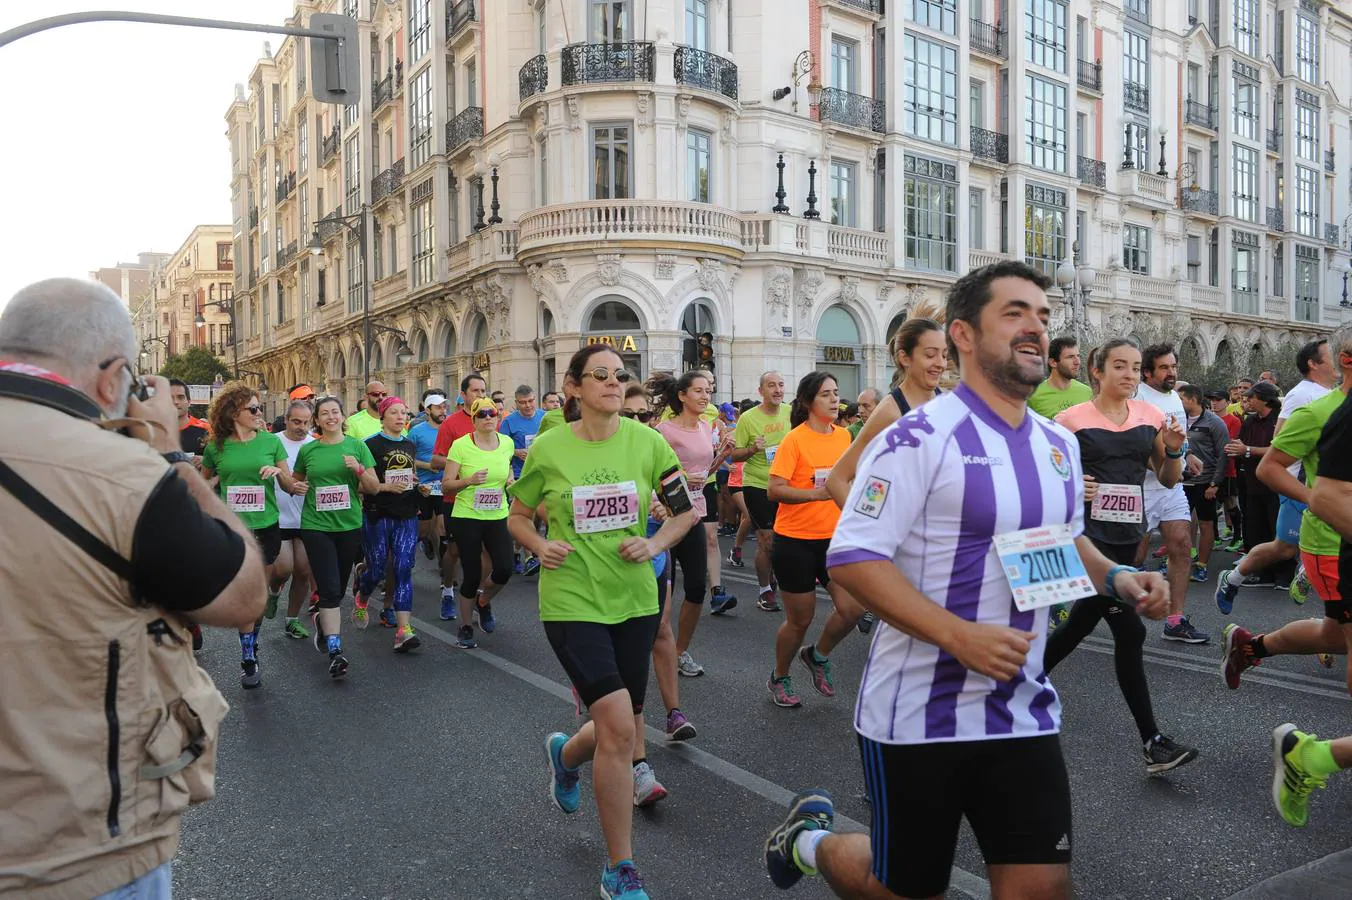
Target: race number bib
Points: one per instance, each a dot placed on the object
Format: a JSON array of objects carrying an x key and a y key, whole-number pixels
[
  {"x": 246, "y": 499},
  {"x": 488, "y": 499},
  {"x": 1118, "y": 503},
  {"x": 819, "y": 477},
  {"x": 1043, "y": 567},
  {"x": 401, "y": 476},
  {"x": 334, "y": 498},
  {"x": 435, "y": 488},
  {"x": 605, "y": 507},
  {"x": 770, "y": 453},
  {"x": 530, "y": 439}
]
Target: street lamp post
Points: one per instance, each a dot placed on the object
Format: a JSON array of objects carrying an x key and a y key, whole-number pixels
[
  {"x": 225, "y": 306},
  {"x": 1076, "y": 283},
  {"x": 356, "y": 224}
]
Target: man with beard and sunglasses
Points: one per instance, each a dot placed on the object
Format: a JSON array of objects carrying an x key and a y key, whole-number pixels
[{"x": 364, "y": 423}]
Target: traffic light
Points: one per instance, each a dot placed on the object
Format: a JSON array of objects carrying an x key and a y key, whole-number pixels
[
  {"x": 335, "y": 74},
  {"x": 704, "y": 349}
]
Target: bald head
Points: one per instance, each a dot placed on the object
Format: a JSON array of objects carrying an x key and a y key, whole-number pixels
[{"x": 375, "y": 392}]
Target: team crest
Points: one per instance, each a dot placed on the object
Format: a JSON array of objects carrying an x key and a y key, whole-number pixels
[
  {"x": 870, "y": 502},
  {"x": 1060, "y": 463}
]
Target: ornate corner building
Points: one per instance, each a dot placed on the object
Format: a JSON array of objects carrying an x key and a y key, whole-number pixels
[{"x": 791, "y": 175}]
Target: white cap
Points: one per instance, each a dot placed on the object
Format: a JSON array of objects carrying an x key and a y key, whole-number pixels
[{"x": 434, "y": 400}]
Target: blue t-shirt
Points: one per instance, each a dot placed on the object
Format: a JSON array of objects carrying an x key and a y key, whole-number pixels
[
  {"x": 522, "y": 432},
  {"x": 424, "y": 438}
]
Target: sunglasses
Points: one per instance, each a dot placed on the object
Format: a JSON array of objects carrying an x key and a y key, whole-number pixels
[
  {"x": 602, "y": 374},
  {"x": 378, "y": 396},
  {"x": 486, "y": 414},
  {"x": 643, "y": 416},
  {"x": 253, "y": 410}
]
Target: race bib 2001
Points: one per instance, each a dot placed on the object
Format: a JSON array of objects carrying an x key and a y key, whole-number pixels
[
  {"x": 334, "y": 498},
  {"x": 605, "y": 507},
  {"x": 1043, "y": 567}
]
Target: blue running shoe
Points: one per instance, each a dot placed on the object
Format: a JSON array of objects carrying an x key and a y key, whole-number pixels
[
  {"x": 486, "y": 619},
  {"x": 811, "y": 811},
  {"x": 1225, "y": 592},
  {"x": 448, "y": 610},
  {"x": 720, "y": 601},
  {"x": 387, "y": 618},
  {"x": 563, "y": 782},
  {"x": 518, "y": 567},
  {"x": 622, "y": 882},
  {"x": 532, "y": 566}
]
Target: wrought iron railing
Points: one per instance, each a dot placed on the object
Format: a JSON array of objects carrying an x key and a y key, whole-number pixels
[
  {"x": 534, "y": 76},
  {"x": 1275, "y": 218},
  {"x": 702, "y": 69},
  {"x": 1092, "y": 172},
  {"x": 1329, "y": 161},
  {"x": 387, "y": 182},
  {"x": 1200, "y": 200},
  {"x": 619, "y": 61},
  {"x": 460, "y": 15},
  {"x": 328, "y": 147},
  {"x": 286, "y": 186},
  {"x": 1274, "y": 140},
  {"x": 1089, "y": 75},
  {"x": 1196, "y": 113},
  {"x": 383, "y": 90},
  {"x": 870, "y": 6},
  {"x": 330, "y": 226},
  {"x": 1136, "y": 96},
  {"x": 288, "y": 254},
  {"x": 854, "y": 110},
  {"x": 468, "y": 125},
  {"x": 1330, "y": 233},
  {"x": 988, "y": 38},
  {"x": 990, "y": 145}
]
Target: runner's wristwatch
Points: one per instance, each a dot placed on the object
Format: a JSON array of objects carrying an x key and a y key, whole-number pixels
[{"x": 177, "y": 456}]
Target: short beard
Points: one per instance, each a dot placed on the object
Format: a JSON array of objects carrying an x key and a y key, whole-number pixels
[{"x": 1007, "y": 376}]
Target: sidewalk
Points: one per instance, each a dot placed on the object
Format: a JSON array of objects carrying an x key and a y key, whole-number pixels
[{"x": 1328, "y": 878}]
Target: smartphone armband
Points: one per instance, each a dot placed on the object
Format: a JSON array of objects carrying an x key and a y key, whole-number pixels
[{"x": 674, "y": 491}]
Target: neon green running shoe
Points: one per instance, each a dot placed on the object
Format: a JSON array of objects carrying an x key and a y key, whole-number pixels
[
  {"x": 296, "y": 630},
  {"x": 1300, "y": 586},
  {"x": 270, "y": 611},
  {"x": 1292, "y": 782}
]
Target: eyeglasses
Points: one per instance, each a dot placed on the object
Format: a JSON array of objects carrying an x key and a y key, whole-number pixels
[
  {"x": 486, "y": 414},
  {"x": 643, "y": 415},
  {"x": 602, "y": 374},
  {"x": 253, "y": 410},
  {"x": 138, "y": 387},
  {"x": 378, "y": 396}
]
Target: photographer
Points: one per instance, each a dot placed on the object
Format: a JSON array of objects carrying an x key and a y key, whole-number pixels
[{"x": 112, "y": 546}]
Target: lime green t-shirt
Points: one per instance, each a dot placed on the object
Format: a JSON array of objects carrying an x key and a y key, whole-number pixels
[
  {"x": 618, "y": 475},
  {"x": 237, "y": 465},
  {"x": 362, "y": 425},
  {"x": 553, "y": 418},
  {"x": 487, "y": 501},
  {"x": 1050, "y": 402},
  {"x": 754, "y": 423},
  {"x": 1299, "y": 438},
  {"x": 855, "y": 429},
  {"x": 332, "y": 503}
]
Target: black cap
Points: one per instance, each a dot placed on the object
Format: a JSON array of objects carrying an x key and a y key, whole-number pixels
[
  {"x": 1217, "y": 394},
  {"x": 1264, "y": 390}
]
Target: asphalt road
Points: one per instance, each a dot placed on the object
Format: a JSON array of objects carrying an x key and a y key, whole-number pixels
[{"x": 422, "y": 775}]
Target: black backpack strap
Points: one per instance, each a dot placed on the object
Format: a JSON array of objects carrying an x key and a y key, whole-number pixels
[{"x": 50, "y": 513}]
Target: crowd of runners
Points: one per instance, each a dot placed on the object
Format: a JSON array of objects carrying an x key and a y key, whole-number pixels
[{"x": 974, "y": 535}]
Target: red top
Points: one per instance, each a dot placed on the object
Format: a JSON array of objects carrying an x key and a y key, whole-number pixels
[
  {"x": 453, "y": 428},
  {"x": 1232, "y": 423}
]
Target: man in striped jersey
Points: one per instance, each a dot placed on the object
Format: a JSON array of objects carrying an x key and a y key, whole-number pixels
[{"x": 964, "y": 524}]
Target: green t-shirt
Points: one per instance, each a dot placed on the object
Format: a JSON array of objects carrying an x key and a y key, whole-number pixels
[
  {"x": 1050, "y": 402},
  {"x": 619, "y": 474},
  {"x": 237, "y": 465},
  {"x": 754, "y": 423},
  {"x": 332, "y": 503},
  {"x": 1299, "y": 438},
  {"x": 855, "y": 429},
  {"x": 362, "y": 425},
  {"x": 552, "y": 419},
  {"x": 487, "y": 501}
]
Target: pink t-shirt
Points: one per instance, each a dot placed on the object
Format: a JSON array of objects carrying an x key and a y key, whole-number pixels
[{"x": 695, "y": 449}]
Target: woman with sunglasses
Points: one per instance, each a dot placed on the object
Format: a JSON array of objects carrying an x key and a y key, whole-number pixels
[
  {"x": 390, "y": 527},
  {"x": 245, "y": 459},
  {"x": 478, "y": 473},
  {"x": 598, "y": 598},
  {"x": 336, "y": 467}
]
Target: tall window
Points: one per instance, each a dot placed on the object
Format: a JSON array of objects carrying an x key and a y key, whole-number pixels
[
  {"x": 1244, "y": 173},
  {"x": 1244, "y": 272},
  {"x": 352, "y": 174},
  {"x": 938, "y": 15},
  {"x": 1307, "y": 131},
  {"x": 1246, "y": 103},
  {"x": 1046, "y": 120},
  {"x": 1136, "y": 249},
  {"x": 471, "y": 83},
  {"x": 844, "y": 187},
  {"x": 931, "y": 107},
  {"x": 1045, "y": 33},
  {"x": 1136, "y": 70},
  {"x": 1307, "y": 49},
  {"x": 419, "y": 29},
  {"x": 420, "y": 119},
  {"x": 976, "y": 218},
  {"x": 354, "y": 276},
  {"x": 276, "y": 108},
  {"x": 1137, "y": 8},
  {"x": 1307, "y": 284},
  {"x": 1044, "y": 223},
  {"x": 610, "y": 20},
  {"x": 303, "y": 290},
  {"x": 697, "y": 165},
  {"x": 1307, "y": 202},
  {"x": 845, "y": 65},
  {"x": 931, "y": 214},
  {"x": 697, "y": 24},
  {"x": 1139, "y": 138},
  {"x": 612, "y": 177},
  {"x": 421, "y": 224},
  {"x": 303, "y": 145},
  {"x": 543, "y": 145},
  {"x": 976, "y": 103},
  {"x": 1245, "y": 34},
  {"x": 304, "y": 204}
]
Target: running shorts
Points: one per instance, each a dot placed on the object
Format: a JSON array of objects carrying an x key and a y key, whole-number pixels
[
  {"x": 288, "y": 534},
  {"x": 1289, "y": 515},
  {"x": 602, "y": 659},
  {"x": 270, "y": 542},
  {"x": 428, "y": 507},
  {"x": 1197, "y": 501},
  {"x": 710, "y": 502},
  {"x": 1013, "y": 792},
  {"x": 1323, "y": 574},
  {"x": 762, "y": 511},
  {"x": 1166, "y": 505},
  {"x": 800, "y": 563}
]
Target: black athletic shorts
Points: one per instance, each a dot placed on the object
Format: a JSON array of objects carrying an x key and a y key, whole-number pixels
[
  {"x": 762, "y": 511},
  {"x": 710, "y": 502},
  {"x": 1014, "y": 793},
  {"x": 428, "y": 507},
  {"x": 723, "y": 476},
  {"x": 270, "y": 542},
  {"x": 602, "y": 659},
  {"x": 799, "y": 565},
  {"x": 288, "y": 534},
  {"x": 1198, "y": 503}
]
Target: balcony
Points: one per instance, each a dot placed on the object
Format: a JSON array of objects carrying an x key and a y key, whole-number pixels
[
  {"x": 1199, "y": 114},
  {"x": 1274, "y": 140},
  {"x": 852, "y": 110},
  {"x": 701, "y": 69},
  {"x": 286, "y": 186},
  {"x": 991, "y": 145},
  {"x": 387, "y": 182},
  {"x": 533, "y": 77},
  {"x": 1202, "y": 202},
  {"x": 872, "y": 248},
  {"x": 988, "y": 39},
  {"x": 1329, "y": 162},
  {"x": 1136, "y": 96},
  {"x": 868, "y": 6},
  {"x": 632, "y": 61},
  {"x": 458, "y": 16},
  {"x": 1089, "y": 75},
  {"x": 328, "y": 147},
  {"x": 382, "y": 91},
  {"x": 1275, "y": 218},
  {"x": 1331, "y": 234},
  {"x": 288, "y": 254},
  {"x": 1092, "y": 172},
  {"x": 330, "y": 226},
  {"x": 1142, "y": 188},
  {"x": 468, "y": 125},
  {"x": 646, "y": 221}
]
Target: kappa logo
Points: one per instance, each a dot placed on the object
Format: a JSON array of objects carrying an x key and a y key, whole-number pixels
[
  {"x": 971, "y": 460},
  {"x": 1060, "y": 463},
  {"x": 908, "y": 431},
  {"x": 874, "y": 495}
]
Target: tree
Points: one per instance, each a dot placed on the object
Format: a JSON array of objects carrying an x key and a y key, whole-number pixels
[{"x": 196, "y": 365}]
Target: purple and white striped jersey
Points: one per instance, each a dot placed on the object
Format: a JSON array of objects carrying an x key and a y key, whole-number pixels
[{"x": 930, "y": 495}]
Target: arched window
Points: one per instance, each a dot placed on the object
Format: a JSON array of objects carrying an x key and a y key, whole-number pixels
[
  {"x": 377, "y": 358},
  {"x": 420, "y": 347},
  {"x": 448, "y": 347},
  {"x": 613, "y": 315},
  {"x": 479, "y": 341},
  {"x": 840, "y": 350},
  {"x": 546, "y": 321}
]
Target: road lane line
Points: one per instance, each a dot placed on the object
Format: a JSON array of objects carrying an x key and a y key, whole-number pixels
[{"x": 971, "y": 885}]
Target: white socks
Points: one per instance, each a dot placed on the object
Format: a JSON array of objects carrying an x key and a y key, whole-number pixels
[
  {"x": 1235, "y": 578},
  {"x": 805, "y": 846}
]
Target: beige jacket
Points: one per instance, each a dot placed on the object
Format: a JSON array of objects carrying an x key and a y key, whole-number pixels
[{"x": 107, "y": 725}]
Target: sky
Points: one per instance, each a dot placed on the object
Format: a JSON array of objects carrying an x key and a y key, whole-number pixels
[{"x": 115, "y": 142}]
